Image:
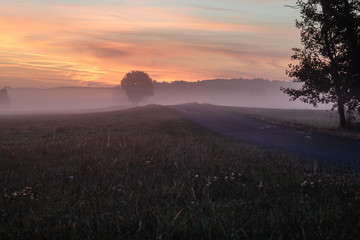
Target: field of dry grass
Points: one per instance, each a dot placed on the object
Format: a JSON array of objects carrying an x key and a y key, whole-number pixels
[{"x": 146, "y": 173}]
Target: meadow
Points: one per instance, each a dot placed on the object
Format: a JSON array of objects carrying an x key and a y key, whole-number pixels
[
  {"x": 319, "y": 120},
  {"x": 146, "y": 173}
]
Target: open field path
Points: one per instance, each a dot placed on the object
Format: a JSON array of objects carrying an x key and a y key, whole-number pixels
[{"x": 325, "y": 148}]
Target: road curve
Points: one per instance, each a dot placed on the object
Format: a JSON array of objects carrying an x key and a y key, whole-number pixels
[{"x": 327, "y": 149}]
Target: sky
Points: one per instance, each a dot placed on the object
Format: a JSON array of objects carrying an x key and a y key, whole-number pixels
[{"x": 53, "y": 43}]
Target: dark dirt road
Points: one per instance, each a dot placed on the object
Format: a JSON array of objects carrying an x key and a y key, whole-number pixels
[{"x": 325, "y": 148}]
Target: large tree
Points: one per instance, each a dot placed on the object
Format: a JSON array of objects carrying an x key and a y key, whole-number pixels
[
  {"x": 137, "y": 85},
  {"x": 328, "y": 63}
]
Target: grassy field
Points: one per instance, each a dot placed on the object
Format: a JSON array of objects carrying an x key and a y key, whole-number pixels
[
  {"x": 145, "y": 173},
  {"x": 319, "y": 120},
  {"x": 314, "y": 118}
]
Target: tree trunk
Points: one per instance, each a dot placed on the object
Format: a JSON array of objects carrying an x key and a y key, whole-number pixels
[{"x": 341, "y": 111}]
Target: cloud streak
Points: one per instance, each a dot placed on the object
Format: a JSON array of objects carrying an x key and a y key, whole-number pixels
[{"x": 61, "y": 44}]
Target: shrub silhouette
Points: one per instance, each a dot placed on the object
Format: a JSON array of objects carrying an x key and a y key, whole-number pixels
[{"x": 4, "y": 98}]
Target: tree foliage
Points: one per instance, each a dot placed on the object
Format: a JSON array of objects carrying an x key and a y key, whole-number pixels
[
  {"x": 137, "y": 85},
  {"x": 4, "y": 98},
  {"x": 328, "y": 64}
]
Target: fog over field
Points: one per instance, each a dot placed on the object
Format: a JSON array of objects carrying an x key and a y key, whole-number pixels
[
  {"x": 61, "y": 99},
  {"x": 234, "y": 92}
]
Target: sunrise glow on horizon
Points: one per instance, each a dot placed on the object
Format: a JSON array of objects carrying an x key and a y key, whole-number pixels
[{"x": 77, "y": 43}]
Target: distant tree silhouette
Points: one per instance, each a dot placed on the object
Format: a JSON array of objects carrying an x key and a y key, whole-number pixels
[
  {"x": 329, "y": 61},
  {"x": 137, "y": 85},
  {"x": 4, "y": 98}
]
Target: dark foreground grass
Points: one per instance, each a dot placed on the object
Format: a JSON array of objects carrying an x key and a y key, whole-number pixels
[{"x": 161, "y": 177}]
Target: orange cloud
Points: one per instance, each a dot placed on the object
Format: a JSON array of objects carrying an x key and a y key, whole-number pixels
[{"x": 48, "y": 45}]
